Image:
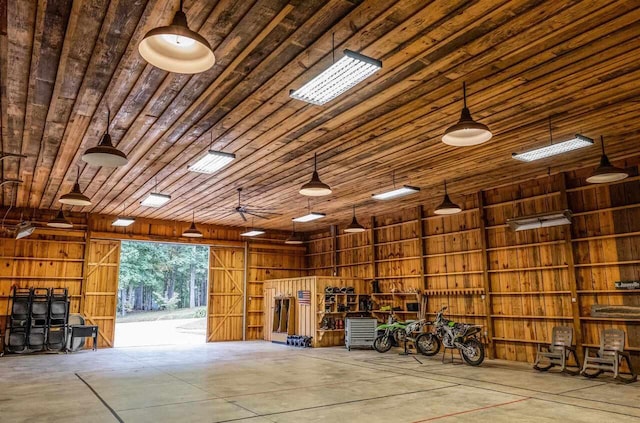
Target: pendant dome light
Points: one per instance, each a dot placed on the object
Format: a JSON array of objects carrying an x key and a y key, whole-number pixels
[
  {"x": 176, "y": 48},
  {"x": 447, "y": 206},
  {"x": 75, "y": 197},
  {"x": 192, "y": 232},
  {"x": 354, "y": 226},
  {"x": 105, "y": 154},
  {"x": 466, "y": 132},
  {"x": 295, "y": 238},
  {"x": 606, "y": 172},
  {"x": 315, "y": 187},
  {"x": 60, "y": 221}
]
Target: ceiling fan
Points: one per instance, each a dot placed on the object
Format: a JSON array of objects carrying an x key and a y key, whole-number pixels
[{"x": 260, "y": 212}]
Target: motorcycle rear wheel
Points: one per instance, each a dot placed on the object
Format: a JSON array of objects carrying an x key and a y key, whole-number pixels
[
  {"x": 382, "y": 343},
  {"x": 428, "y": 344},
  {"x": 478, "y": 357}
]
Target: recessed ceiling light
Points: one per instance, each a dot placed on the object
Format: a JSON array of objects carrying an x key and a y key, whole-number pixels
[
  {"x": 253, "y": 232},
  {"x": 309, "y": 217},
  {"x": 155, "y": 199},
  {"x": 344, "y": 74},
  {"x": 466, "y": 132},
  {"x": 123, "y": 221},
  {"x": 212, "y": 162},
  {"x": 396, "y": 193},
  {"x": 578, "y": 141},
  {"x": 176, "y": 48}
]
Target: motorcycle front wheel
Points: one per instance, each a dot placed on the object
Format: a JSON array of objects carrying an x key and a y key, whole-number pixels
[
  {"x": 428, "y": 344},
  {"x": 382, "y": 343},
  {"x": 477, "y": 357}
]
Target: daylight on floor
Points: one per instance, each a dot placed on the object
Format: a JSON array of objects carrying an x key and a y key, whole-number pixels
[{"x": 351, "y": 211}]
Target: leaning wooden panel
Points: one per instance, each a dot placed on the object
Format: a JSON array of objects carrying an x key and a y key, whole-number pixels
[
  {"x": 101, "y": 287},
  {"x": 225, "y": 307}
]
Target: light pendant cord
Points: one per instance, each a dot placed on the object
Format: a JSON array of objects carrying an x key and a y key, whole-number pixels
[
  {"x": 464, "y": 94},
  {"x": 602, "y": 144}
]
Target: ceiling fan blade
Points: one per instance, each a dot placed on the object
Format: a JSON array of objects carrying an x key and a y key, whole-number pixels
[{"x": 243, "y": 216}]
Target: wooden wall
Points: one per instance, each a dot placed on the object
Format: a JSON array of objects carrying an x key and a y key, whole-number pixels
[
  {"x": 80, "y": 260},
  {"x": 518, "y": 285}
]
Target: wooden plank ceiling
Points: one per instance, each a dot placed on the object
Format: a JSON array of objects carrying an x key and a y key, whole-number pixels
[{"x": 63, "y": 62}]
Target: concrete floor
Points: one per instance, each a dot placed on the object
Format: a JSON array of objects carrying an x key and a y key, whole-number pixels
[
  {"x": 258, "y": 382},
  {"x": 161, "y": 332}
]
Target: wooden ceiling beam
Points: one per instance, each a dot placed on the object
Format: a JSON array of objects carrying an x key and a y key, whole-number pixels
[{"x": 443, "y": 128}]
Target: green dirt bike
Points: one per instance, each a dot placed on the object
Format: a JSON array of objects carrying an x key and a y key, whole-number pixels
[
  {"x": 395, "y": 334},
  {"x": 461, "y": 336}
]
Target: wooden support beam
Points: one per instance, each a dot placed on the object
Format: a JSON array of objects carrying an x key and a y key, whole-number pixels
[
  {"x": 571, "y": 271},
  {"x": 485, "y": 275}
]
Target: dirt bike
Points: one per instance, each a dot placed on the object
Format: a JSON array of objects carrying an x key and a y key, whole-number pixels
[
  {"x": 393, "y": 335},
  {"x": 461, "y": 336},
  {"x": 396, "y": 333}
]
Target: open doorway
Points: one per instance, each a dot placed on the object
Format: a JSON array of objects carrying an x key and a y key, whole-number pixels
[{"x": 162, "y": 294}]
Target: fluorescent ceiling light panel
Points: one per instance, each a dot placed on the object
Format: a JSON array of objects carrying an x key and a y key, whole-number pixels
[
  {"x": 212, "y": 162},
  {"x": 24, "y": 230},
  {"x": 253, "y": 232},
  {"x": 155, "y": 200},
  {"x": 545, "y": 220},
  {"x": 123, "y": 221},
  {"x": 309, "y": 217},
  {"x": 396, "y": 193},
  {"x": 578, "y": 141},
  {"x": 347, "y": 72}
]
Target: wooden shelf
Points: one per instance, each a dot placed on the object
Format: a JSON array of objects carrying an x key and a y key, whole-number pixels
[
  {"x": 521, "y": 200},
  {"x": 531, "y": 293},
  {"x": 454, "y": 291},
  {"x": 609, "y": 291},
  {"x": 44, "y": 259},
  {"x": 528, "y": 269},
  {"x": 398, "y": 277},
  {"x": 610, "y": 236},
  {"x": 407, "y": 222},
  {"x": 53, "y": 278},
  {"x": 531, "y": 245},
  {"x": 611, "y": 319},
  {"x": 353, "y": 248},
  {"x": 468, "y": 272},
  {"x": 606, "y": 209},
  {"x": 362, "y": 263},
  {"x": 464, "y": 231},
  {"x": 454, "y": 253},
  {"x": 482, "y": 316},
  {"x": 400, "y": 241},
  {"x": 513, "y": 316},
  {"x": 390, "y": 294},
  {"x": 611, "y": 263},
  {"x": 398, "y": 259},
  {"x": 272, "y": 268},
  {"x": 394, "y": 311}
]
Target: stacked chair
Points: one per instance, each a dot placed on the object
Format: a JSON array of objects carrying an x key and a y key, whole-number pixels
[{"x": 38, "y": 320}]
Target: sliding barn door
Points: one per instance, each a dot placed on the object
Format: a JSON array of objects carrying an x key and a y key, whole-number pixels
[
  {"x": 226, "y": 294},
  {"x": 101, "y": 287}
]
